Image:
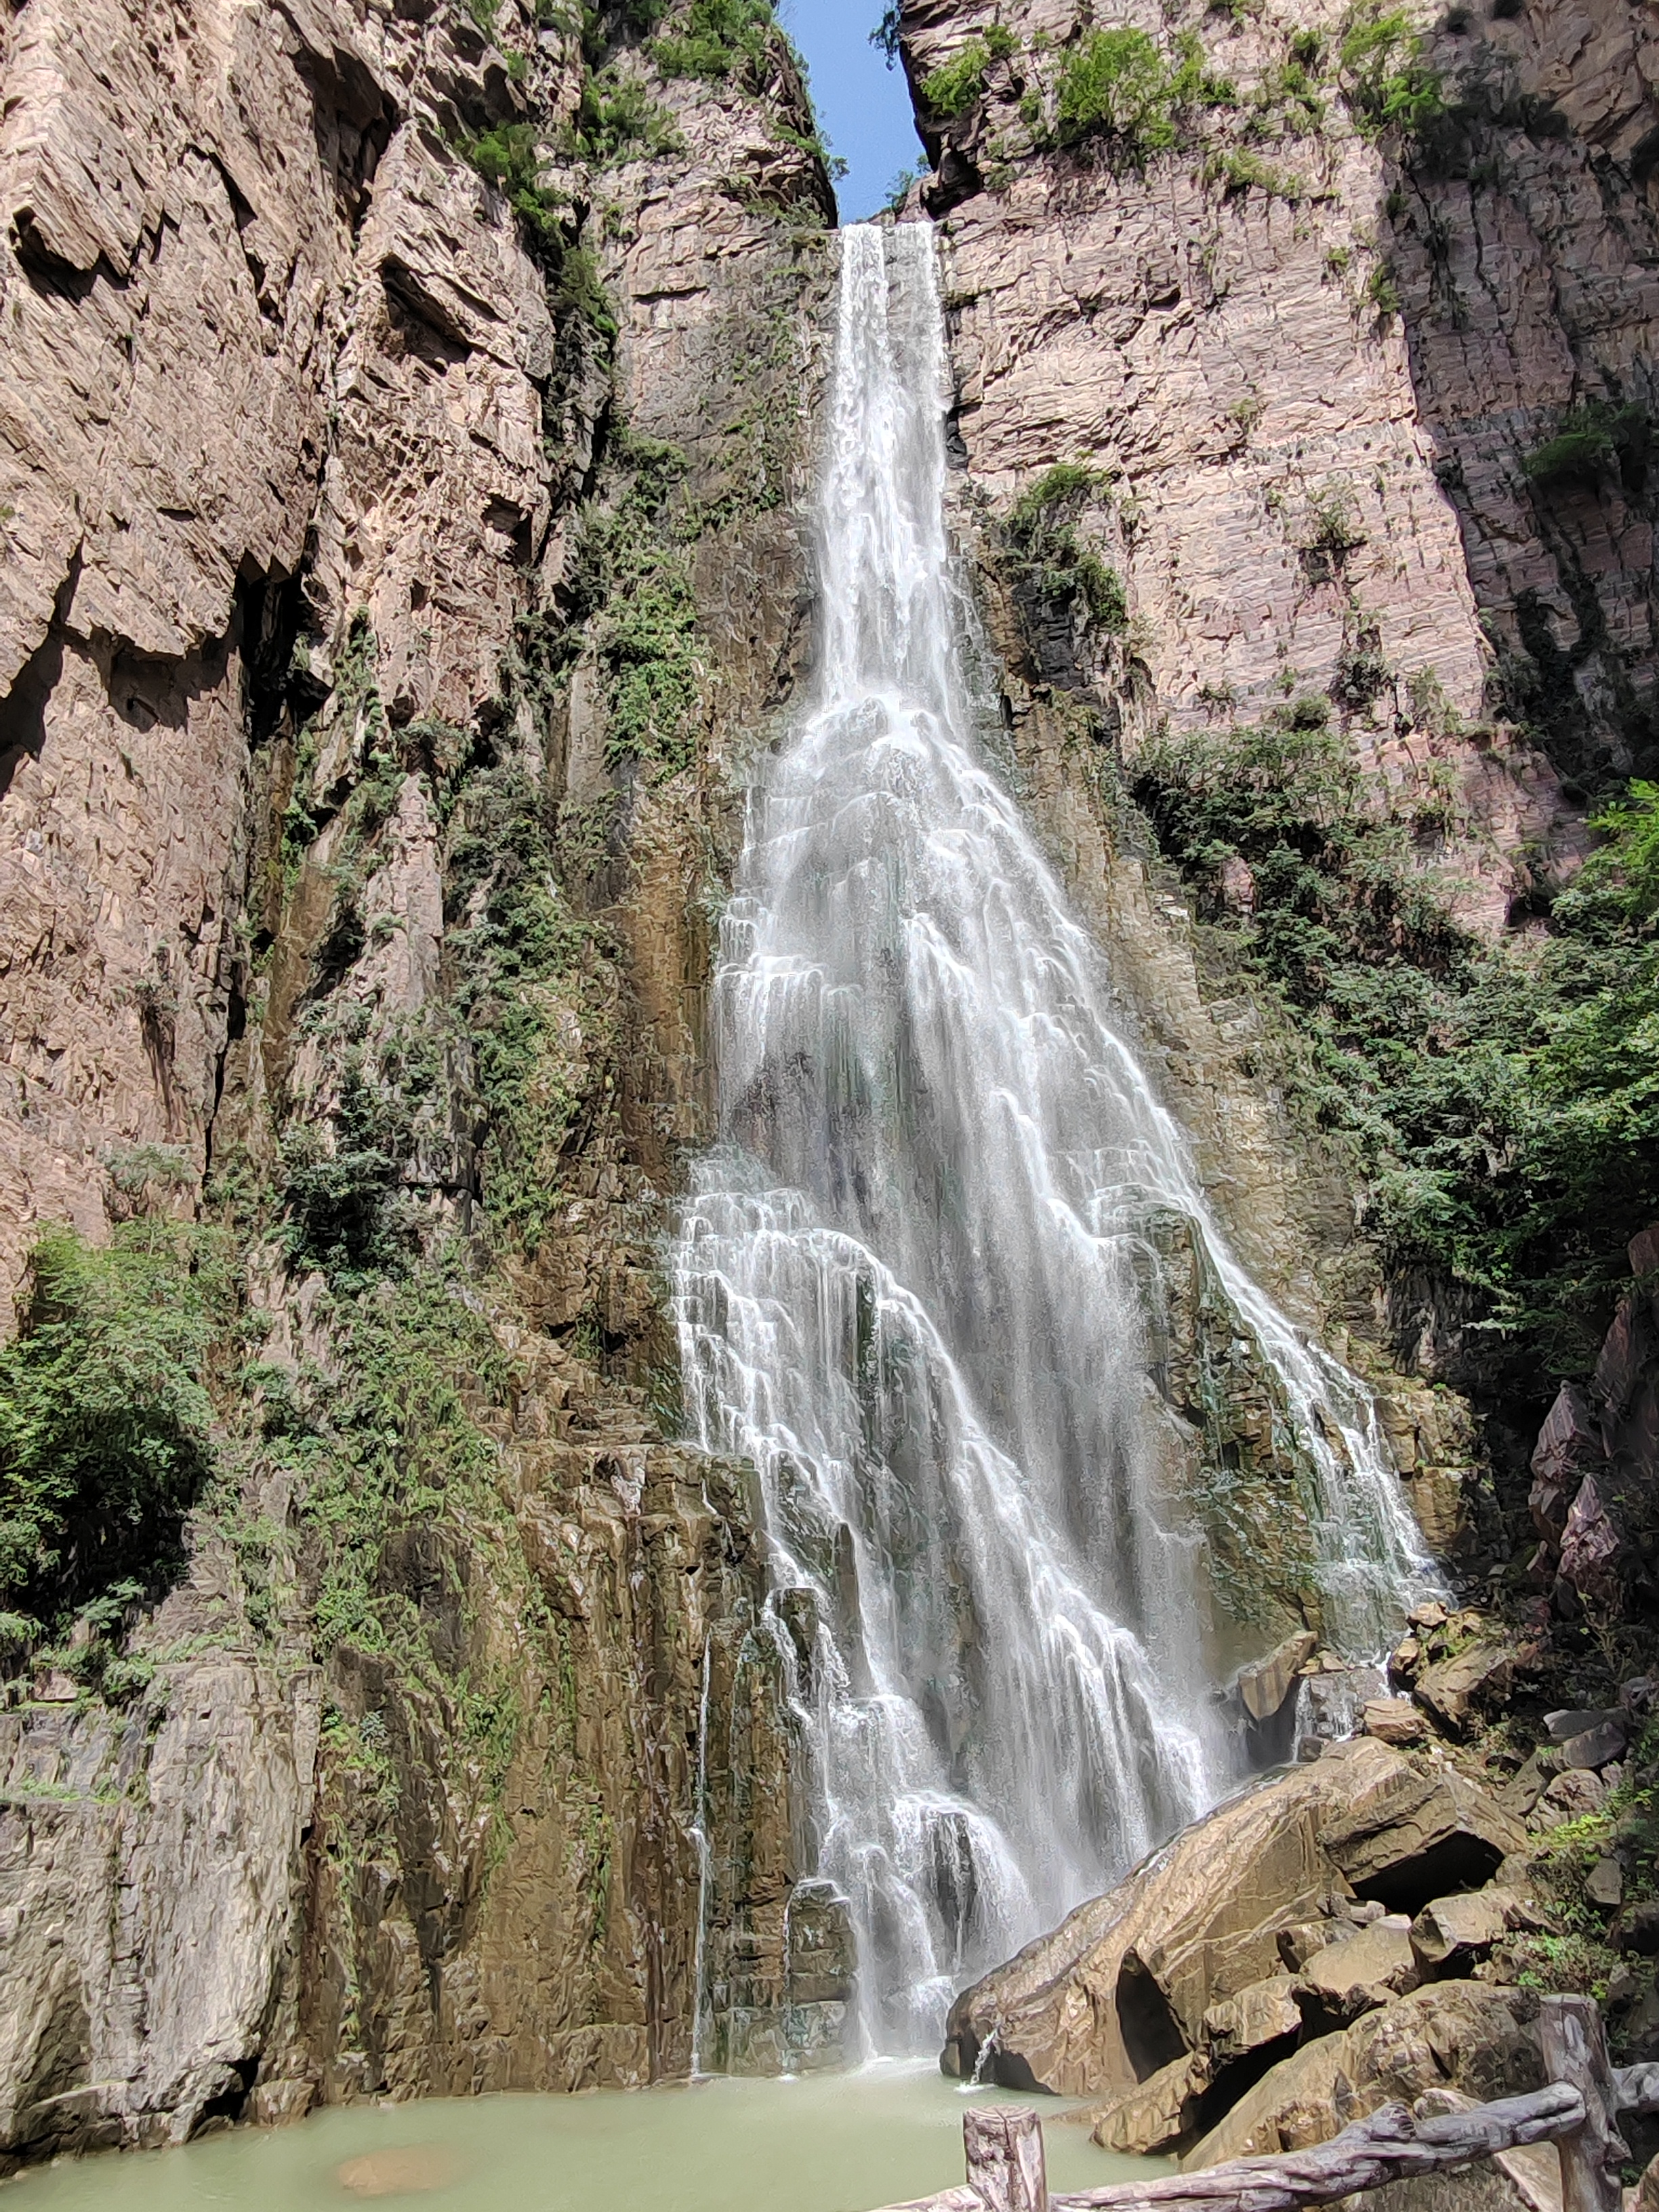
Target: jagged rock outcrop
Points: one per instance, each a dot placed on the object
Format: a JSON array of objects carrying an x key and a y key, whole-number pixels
[
  {"x": 1597, "y": 1457},
  {"x": 1549, "y": 169},
  {"x": 1128, "y": 1985},
  {"x": 1469, "y": 2037}
]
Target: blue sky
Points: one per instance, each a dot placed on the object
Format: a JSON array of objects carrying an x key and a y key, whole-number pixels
[{"x": 862, "y": 105}]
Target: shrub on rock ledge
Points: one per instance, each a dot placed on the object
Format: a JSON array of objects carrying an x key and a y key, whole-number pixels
[{"x": 104, "y": 1416}]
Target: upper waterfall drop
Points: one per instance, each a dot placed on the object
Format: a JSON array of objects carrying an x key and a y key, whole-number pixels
[{"x": 917, "y": 1284}]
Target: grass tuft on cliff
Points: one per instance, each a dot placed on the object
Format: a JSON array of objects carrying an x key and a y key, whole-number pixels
[
  {"x": 508, "y": 156},
  {"x": 105, "y": 1418},
  {"x": 1389, "y": 86},
  {"x": 617, "y": 121},
  {"x": 959, "y": 83},
  {"x": 1594, "y": 440}
]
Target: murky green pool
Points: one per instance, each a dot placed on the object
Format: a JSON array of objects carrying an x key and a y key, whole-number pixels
[{"x": 837, "y": 2144}]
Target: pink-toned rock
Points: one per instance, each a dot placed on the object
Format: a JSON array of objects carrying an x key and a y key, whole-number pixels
[
  {"x": 1592, "y": 1549},
  {"x": 1449, "y": 1935},
  {"x": 1393, "y": 1720},
  {"x": 1569, "y": 1447}
]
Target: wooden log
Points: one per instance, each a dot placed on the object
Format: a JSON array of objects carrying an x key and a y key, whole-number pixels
[
  {"x": 1392, "y": 2145},
  {"x": 953, "y": 2200},
  {"x": 1006, "y": 2167},
  {"x": 1575, "y": 2052}
]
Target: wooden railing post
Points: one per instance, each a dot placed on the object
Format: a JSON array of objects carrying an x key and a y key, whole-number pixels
[
  {"x": 1576, "y": 2051},
  {"x": 1006, "y": 2164}
]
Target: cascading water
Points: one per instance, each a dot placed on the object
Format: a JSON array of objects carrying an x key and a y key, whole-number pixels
[{"x": 911, "y": 1282}]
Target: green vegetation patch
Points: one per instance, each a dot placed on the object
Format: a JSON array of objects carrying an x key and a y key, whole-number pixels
[
  {"x": 617, "y": 120},
  {"x": 1502, "y": 1101},
  {"x": 105, "y": 1417},
  {"x": 1594, "y": 440},
  {"x": 956, "y": 85},
  {"x": 633, "y": 584},
  {"x": 720, "y": 38},
  {"x": 534, "y": 994},
  {"x": 1238, "y": 171},
  {"x": 1388, "y": 84},
  {"x": 1052, "y": 563},
  {"x": 1121, "y": 83},
  {"x": 509, "y": 157},
  {"x": 389, "y": 1443}
]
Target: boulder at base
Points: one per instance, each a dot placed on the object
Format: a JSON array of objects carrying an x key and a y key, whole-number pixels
[
  {"x": 1472, "y": 2036},
  {"x": 1527, "y": 2181},
  {"x": 1120, "y": 1990}
]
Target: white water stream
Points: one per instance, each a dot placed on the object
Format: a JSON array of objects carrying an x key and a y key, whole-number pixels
[{"x": 910, "y": 1283}]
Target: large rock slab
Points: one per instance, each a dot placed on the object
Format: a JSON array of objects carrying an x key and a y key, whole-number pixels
[
  {"x": 1468, "y": 2036},
  {"x": 1121, "y": 1989},
  {"x": 1345, "y": 1979},
  {"x": 1460, "y": 1689},
  {"x": 149, "y": 1891},
  {"x": 1159, "y": 2115},
  {"x": 1448, "y": 1935},
  {"x": 1413, "y": 1832}
]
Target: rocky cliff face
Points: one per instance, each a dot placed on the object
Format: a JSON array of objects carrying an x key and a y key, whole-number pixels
[
  {"x": 404, "y": 411},
  {"x": 1338, "y": 408}
]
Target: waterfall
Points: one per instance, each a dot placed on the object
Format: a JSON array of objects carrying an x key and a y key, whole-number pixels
[{"x": 911, "y": 1281}]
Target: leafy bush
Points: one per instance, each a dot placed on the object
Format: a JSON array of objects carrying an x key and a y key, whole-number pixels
[
  {"x": 953, "y": 89},
  {"x": 617, "y": 120},
  {"x": 1593, "y": 439},
  {"x": 336, "y": 1201},
  {"x": 1120, "y": 83},
  {"x": 1388, "y": 84},
  {"x": 579, "y": 296},
  {"x": 509, "y": 156},
  {"x": 1383, "y": 290},
  {"x": 720, "y": 38},
  {"x": 1117, "y": 81},
  {"x": 1502, "y": 1101},
  {"x": 104, "y": 1415},
  {"x": 1055, "y": 567}
]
